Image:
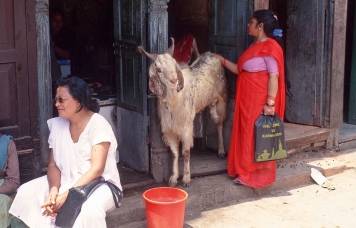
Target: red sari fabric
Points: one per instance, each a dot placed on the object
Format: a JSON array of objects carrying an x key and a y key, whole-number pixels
[
  {"x": 251, "y": 96},
  {"x": 183, "y": 49}
]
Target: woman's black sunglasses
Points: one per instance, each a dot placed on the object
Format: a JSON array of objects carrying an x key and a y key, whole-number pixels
[{"x": 59, "y": 99}]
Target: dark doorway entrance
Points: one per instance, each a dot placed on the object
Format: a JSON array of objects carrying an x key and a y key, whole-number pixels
[{"x": 350, "y": 66}]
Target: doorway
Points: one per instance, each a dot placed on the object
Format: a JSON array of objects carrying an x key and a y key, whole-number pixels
[
  {"x": 192, "y": 17},
  {"x": 347, "y": 132},
  {"x": 350, "y": 66}
]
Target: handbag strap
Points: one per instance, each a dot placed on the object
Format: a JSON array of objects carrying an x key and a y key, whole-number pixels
[
  {"x": 90, "y": 188},
  {"x": 116, "y": 193}
]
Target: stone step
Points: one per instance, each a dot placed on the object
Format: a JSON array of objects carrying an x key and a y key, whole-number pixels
[{"x": 299, "y": 136}]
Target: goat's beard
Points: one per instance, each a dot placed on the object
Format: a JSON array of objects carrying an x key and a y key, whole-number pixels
[{"x": 170, "y": 97}]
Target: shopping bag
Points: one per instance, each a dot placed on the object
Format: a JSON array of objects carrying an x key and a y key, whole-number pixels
[{"x": 270, "y": 140}]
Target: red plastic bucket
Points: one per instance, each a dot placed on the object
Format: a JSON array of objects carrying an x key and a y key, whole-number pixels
[{"x": 165, "y": 207}]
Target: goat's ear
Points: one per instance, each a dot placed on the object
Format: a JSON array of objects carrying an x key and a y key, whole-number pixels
[
  {"x": 158, "y": 69},
  {"x": 143, "y": 52},
  {"x": 155, "y": 85},
  {"x": 180, "y": 77},
  {"x": 170, "y": 50}
]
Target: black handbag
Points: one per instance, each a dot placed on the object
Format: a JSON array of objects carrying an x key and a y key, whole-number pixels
[
  {"x": 270, "y": 139},
  {"x": 77, "y": 196}
]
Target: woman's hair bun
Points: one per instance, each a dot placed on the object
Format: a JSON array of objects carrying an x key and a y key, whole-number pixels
[{"x": 94, "y": 106}]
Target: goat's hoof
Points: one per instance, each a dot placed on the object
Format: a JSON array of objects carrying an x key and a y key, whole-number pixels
[
  {"x": 187, "y": 184},
  {"x": 172, "y": 182},
  {"x": 221, "y": 156}
]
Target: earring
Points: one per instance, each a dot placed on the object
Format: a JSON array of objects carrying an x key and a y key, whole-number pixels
[{"x": 259, "y": 28}]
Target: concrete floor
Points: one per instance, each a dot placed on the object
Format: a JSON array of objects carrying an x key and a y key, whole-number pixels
[
  {"x": 347, "y": 132},
  {"x": 305, "y": 207}
]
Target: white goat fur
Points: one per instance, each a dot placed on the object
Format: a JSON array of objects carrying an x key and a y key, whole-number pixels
[{"x": 204, "y": 85}]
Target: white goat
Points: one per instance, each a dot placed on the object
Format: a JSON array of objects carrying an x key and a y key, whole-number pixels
[{"x": 181, "y": 94}]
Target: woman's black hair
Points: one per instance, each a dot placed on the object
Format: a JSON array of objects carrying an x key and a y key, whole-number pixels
[
  {"x": 270, "y": 23},
  {"x": 80, "y": 91},
  {"x": 54, "y": 11}
]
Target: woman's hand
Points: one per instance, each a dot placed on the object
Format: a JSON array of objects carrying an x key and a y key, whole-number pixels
[
  {"x": 226, "y": 63},
  {"x": 268, "y": 110},
  {"x": 60, "y": 201},
  {"x": 50, "y": 202},
  {"x": 218, "y": 56}
]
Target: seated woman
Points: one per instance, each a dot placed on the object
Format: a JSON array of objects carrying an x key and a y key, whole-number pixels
[
  {"x": 82, "y": 148},
  {"x": 9, "y": 177}
]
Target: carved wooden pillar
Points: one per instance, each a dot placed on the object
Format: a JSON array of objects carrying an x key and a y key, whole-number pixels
[
  {"x": 158, "y": 26},
  {"x": 44, "y": 76},
  {"x": 158, "y": 43},
  {"x": 261, "y": 4}
]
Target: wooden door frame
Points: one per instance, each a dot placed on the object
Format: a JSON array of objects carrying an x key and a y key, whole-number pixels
[
  {"x": 44, "y": 81},
  {"x": 335, "y": 75},
  {"x": 337, "y": 68},
  {"x": 32, "y": 69},
  {"x": 157, "y": 42}
]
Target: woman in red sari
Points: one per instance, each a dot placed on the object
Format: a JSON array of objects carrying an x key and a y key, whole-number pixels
[{"x": 260, "y": 88}]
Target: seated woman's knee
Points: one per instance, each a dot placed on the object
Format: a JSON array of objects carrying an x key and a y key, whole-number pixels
[{"x": 92, "y": 211}]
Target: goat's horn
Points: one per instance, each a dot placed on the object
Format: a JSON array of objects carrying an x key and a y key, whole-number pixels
[
  {"x": 151, "y": 56},
  {"x": 170, "y": 50}
]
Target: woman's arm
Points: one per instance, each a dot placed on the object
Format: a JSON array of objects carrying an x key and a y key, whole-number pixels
[
  {"x": 228, "y": 64},
  {"x": 61, "y": 52},
  {"x": 99, "y": 155},
  {"x": 54, "y": 183},
  {"x": 272, "y": 92},
  {"x": 53, "y": 174},
  {"x": 12, "y": 178}
]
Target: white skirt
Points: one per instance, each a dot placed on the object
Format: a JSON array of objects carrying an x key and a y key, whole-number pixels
[{"x": 31, "y": 195}]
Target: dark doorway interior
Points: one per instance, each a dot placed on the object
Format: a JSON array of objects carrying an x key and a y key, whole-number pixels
[
  {"x": 348, "y": 55},
  {"x": 92, "y": 57},
  {"x": 192, "y": 17},
  {"x": 189, "y": 17}
]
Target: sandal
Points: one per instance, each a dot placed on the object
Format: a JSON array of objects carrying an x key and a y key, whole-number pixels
[{"x": 237, "y": 181}]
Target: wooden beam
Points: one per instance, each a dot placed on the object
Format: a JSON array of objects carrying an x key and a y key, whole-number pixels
[
  {"x": 44, "y": 80},
  {"x": 261, "y": 4},
  {"x": 338, "y": 64}
]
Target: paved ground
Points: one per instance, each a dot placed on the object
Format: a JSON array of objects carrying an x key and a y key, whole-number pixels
[
  {"x": 309, "y": 206},
  {"x": 215, "y": 201}
]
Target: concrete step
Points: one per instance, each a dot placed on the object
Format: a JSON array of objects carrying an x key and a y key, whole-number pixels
[
  {"x": 214, "y": 191},
  {"x": 300, "y": 136}
]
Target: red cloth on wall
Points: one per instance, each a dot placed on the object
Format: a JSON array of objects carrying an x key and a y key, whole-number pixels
[
  {"x": 251, "y": 96},
  {"x": 183, "y": 49}
]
